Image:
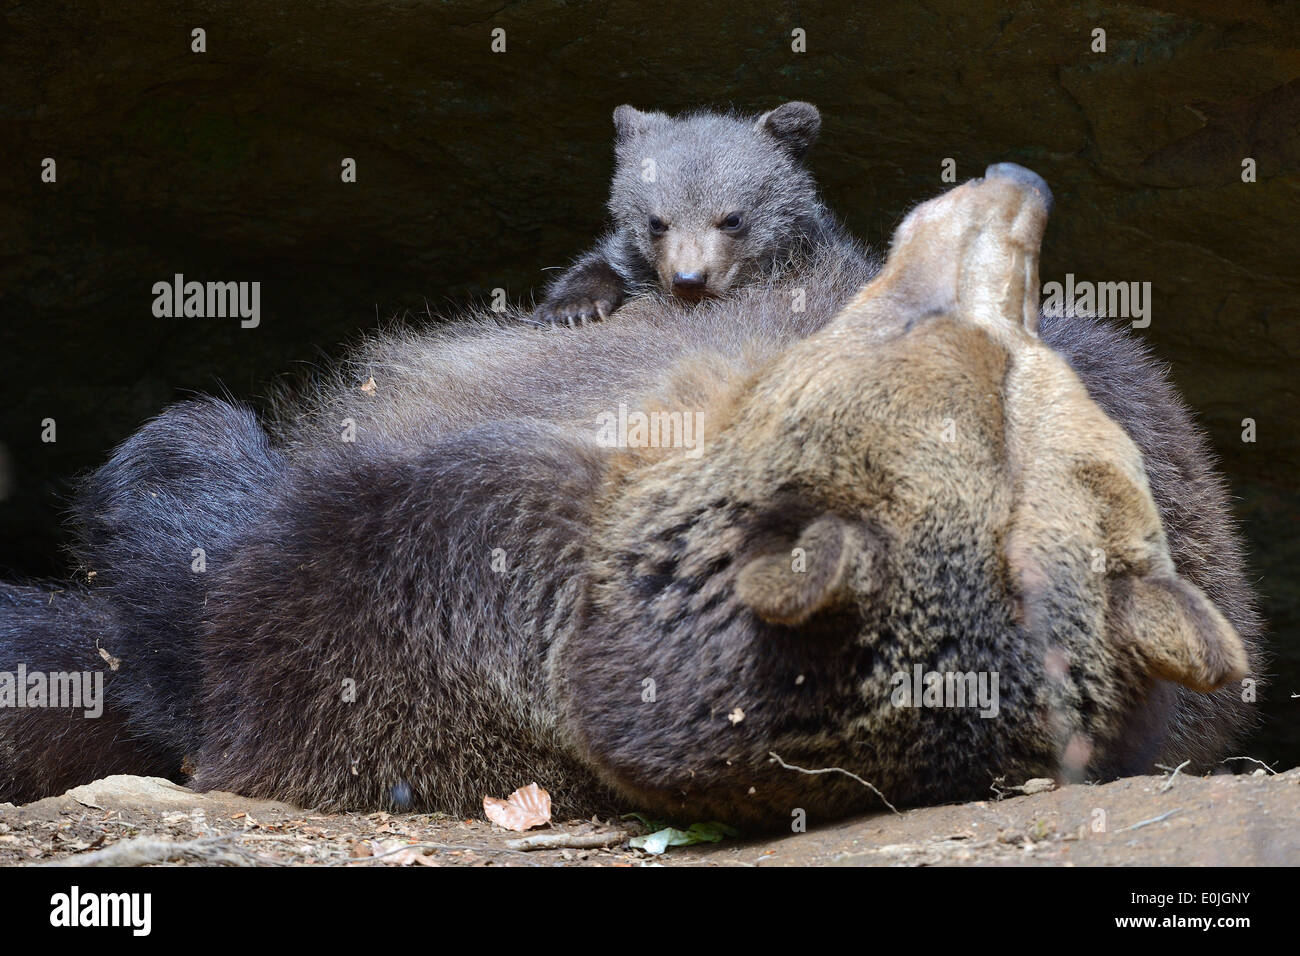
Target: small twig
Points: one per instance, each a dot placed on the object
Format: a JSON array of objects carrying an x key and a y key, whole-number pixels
[
  {"x": 1143, "y": 823},
  {"x": 563, "y": 840},
  {"x": 1168, "y": 784},
  {"x": 1028, "y": 788},
  {"x": 870, "y": 786},
  {"x": 350, "y": 861},
  {"x": 143, "y": 852},
  {"x": 1253, "y": 760},
  {"x": 411, "y": 846},
  {"x": 280, "y": 837}
]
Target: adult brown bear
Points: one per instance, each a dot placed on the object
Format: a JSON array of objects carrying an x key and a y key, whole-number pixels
[{"x": 467, "y": 565}]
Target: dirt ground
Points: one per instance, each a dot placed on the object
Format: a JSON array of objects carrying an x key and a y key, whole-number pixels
[{"x": 1248, "y": 819}]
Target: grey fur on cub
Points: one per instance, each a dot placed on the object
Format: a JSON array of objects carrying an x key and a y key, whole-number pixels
[{"x": 700, "y": 203}]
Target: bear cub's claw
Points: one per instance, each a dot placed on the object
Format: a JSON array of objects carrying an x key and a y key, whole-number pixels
[
  {"x": 574, "y": 311},
  {"x": 588, "y": 292}
]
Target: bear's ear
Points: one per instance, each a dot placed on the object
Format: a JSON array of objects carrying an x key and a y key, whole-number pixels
[
  {"x": 794, "y": 125},
  {"x": 630, "y": 122},
  {"x": 1153, "y": 616},
  {"x": 1177, "y": 631},
  {"x": 829, "y": 563}
]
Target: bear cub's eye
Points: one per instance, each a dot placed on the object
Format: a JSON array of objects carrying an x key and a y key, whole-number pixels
[
  {"x": 658, "y": 226},
  {"x": 732, "y": 222}
]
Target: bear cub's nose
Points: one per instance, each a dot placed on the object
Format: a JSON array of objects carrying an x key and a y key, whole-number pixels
[{"x": 689, "y": 285}]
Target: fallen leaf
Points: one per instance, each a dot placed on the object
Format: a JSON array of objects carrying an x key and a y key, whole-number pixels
[
  {"x": 662, "y": 839},
  {"x": 524, "y": 809}
]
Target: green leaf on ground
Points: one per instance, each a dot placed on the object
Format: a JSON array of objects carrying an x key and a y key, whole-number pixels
[{"x": 665, "y": 836}]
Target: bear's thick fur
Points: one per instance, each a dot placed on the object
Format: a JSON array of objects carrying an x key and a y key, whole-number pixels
[{"x": 440, "y": 583}]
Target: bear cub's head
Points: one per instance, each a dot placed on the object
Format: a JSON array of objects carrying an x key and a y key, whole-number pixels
[{"x": 712, "y": 200}]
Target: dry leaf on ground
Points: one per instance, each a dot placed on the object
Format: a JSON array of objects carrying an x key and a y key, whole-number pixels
[{"x": 524, "y": 809}]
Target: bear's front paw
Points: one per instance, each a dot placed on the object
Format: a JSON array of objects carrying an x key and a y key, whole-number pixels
[{"x": 574, "y": 311}]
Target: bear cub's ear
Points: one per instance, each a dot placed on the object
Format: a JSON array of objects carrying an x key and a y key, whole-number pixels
[
  {"x": 830, "y": 563},
  {"x": 630, "y": 122},
  {"x": 794, "y": 125}
]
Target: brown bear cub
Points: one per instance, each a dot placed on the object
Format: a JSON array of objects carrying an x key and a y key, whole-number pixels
[{"x": 701, "y": 204}]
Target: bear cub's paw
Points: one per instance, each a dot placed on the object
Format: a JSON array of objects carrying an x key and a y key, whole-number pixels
[{"x": 588, "y": 296}]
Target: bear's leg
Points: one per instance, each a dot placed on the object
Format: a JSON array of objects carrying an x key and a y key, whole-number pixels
[{"x": 152, "y": 524}]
